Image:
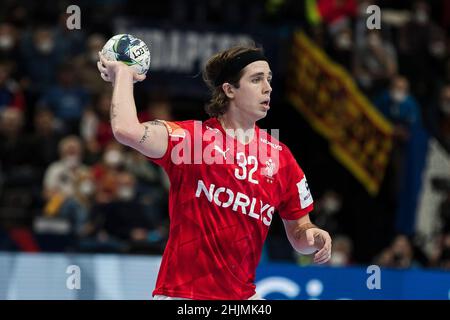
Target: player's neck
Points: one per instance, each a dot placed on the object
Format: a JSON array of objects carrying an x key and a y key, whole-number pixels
[{"x": 240, "y": 128}]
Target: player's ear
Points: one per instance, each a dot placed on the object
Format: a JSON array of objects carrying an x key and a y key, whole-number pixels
[{"x": 228, "y": 89}]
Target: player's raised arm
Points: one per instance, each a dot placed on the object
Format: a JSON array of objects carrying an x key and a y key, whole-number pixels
[{"x": 150, "y": 138}]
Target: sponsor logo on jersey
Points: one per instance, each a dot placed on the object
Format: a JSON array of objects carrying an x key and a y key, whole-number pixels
[
  {"x": 236, "y": 201},
  {"x": 304, "y": 193},
  {"x": 273, "y": 145}
]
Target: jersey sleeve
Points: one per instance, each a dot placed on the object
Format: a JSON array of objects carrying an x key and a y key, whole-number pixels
[
  {"x": 297, "y": 200},
  {"x": 178, "y": 137}
]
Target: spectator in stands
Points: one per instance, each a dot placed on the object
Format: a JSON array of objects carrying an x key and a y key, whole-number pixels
[
  {"x": 45, "y": 140},
  {"x": 10, "y": 92},
  {"x": 60, "y": 183},
  {"x": 334, "y": 12},
  {"x": 14, "y": 151},
  {"x": 67, "y": 99},
  {"x": 40, "y": 58},
  {"x": 342, "y": 47},
  {"x": 71, "y": 42},
  {"x": 441, "y": 257},
  {"x": 329, "y": 207},
  {"x": 18, "y": 175},
  {"x": 342, "y": 251},
  {"x": 375, "y": 62},
  {"x": 122, "y": 222},
  {"x": 95, "y": 126},
  {"x": 400, "y": 254},
  {"x": 106, "y": 172},
  {"x": 417, "y": 49},
  {"x": 86, "y": 66},
  {"x": 9, "y": 37},
  {"x": 159, "y": 107},
  {"x": 152, "y": 186},
  {"x": 399, "y": 106}
]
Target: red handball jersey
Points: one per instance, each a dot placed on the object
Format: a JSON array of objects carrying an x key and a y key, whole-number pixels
[{"x": 222, "y": 200}]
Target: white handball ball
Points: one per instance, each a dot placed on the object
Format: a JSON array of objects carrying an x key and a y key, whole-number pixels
[{"x": 130, "y": 50}]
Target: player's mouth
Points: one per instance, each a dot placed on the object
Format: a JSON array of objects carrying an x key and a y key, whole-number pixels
[{"x": 266, "y": 104}]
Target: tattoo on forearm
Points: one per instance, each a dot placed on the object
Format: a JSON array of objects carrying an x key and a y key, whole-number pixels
[
  {"x": 155, "y": 123},
  {"x": 145, "y": 136}
]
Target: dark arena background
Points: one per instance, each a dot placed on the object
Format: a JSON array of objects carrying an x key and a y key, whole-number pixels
[{"x": 361, "y": 95}]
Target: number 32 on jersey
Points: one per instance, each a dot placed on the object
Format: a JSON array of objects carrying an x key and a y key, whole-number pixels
[{"x": 241, "y": 172}]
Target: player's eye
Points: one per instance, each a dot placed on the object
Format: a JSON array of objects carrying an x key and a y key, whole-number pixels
[{"x": 256, "y": 80}]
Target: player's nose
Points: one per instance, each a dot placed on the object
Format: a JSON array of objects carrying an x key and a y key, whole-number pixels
[{"x": 267, "y": 88}]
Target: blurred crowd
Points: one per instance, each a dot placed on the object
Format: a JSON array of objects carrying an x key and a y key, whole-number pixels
[
  {"x": 404, "y": 69},
  {"x": 67, "y": 185}
]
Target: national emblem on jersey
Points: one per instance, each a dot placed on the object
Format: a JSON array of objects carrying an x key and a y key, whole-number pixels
[{"x": 269, "y": 171}]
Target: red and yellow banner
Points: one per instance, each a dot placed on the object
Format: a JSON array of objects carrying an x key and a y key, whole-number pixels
[{"x": 360, "y": 137}]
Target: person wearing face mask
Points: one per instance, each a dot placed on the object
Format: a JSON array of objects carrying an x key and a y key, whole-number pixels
[
  {"x": 95, "y": 126},
  {"x": 66, "y": 98},
  {"x": 41, "y": 57},
  {"x": 106, "y": 171},
  {"x": 10, "y": 93},
  {"x": 421, "y": 50},
  {"x": 399, "y": 106},
  {"x": 59, "y": 177},
  {"x": 342, "y": 47},
  {"x": 86, "y": 65},
  {"x": 122, "y": 224},
  {"x": 342, "y": 254},
  {"x": 14, "y": 150},
  {"x": 375, "y": 62},
  {"x": 62, "y": 190},
  {"x": 8, "y": 41},
  {"x": 409, "y": 151}
]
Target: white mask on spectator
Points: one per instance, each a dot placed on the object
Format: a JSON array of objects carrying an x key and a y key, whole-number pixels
[
  {"x": 6, "y": 42},
  {"x": 437, "y": 48},
  {"x": 87, "y": 187},
  {"x": 344, "y": 42},
  {"x": 338, "y": 259},
  {"x": 113, "y": 158},
  {"x": 45, "y": 47},
  {"x": 125, "y": 193},
  {"x": 445, "y": 107},
  {"x": 398, "y": 95},
  {"x": 331, "y": 204},
  {"x": 71, "y": 161},
  {"x": 422, "y": 16}
]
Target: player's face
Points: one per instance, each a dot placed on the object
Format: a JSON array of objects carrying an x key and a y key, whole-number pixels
[{"x": 252, "y": 98}]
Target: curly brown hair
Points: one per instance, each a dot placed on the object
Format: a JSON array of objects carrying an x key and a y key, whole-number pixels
[{"x": 218, "y": 105}]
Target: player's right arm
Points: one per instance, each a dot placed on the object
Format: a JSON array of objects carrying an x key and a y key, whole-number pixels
[{"x": 149, "y": 138}]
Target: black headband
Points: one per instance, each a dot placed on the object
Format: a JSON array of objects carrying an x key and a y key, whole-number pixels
[{"x": 237, "y": 64}]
